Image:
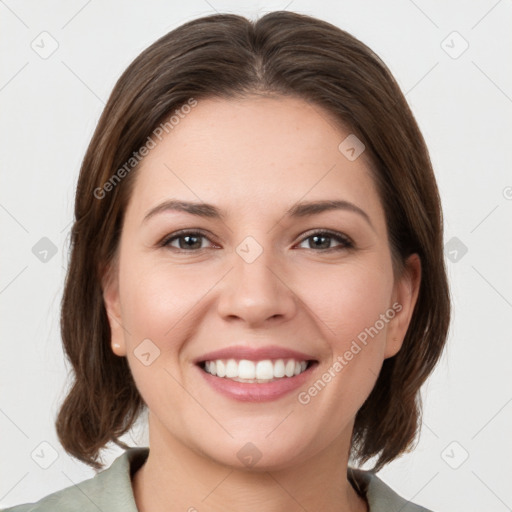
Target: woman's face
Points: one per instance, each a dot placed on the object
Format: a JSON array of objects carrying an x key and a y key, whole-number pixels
[{"x": 260, "y": 274}]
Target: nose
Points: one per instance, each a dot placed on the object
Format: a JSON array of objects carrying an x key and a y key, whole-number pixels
[{"x": 257, "y": 293}]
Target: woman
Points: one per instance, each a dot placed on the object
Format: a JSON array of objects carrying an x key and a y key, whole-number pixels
[{"x": 257, "y": 262}]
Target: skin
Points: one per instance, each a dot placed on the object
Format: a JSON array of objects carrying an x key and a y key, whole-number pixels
[{"x": 253, "y": 158}]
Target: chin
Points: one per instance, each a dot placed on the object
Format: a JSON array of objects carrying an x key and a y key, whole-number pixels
[{"x": 257, "y": 454}]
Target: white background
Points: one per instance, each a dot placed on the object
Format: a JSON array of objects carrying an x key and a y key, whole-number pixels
[{"x": 463, "y": 106}]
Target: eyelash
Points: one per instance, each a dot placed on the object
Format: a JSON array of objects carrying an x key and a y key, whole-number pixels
[{"x": 339, "y": 237}]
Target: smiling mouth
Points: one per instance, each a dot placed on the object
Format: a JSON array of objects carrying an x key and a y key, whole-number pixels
[{"x": 262, "y": 371}]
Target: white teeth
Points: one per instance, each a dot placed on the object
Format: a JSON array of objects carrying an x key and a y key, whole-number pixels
[
  {"x": 221, "y": 368},
  {"x": 290, "y": 368},
  {"x": 260, "y": 371},
  {"x": 279, "y": 368},
  {"x": 231, "y": 369},
  {"x": 246, "y": 369},
  {"x": 264, "y": 370}
]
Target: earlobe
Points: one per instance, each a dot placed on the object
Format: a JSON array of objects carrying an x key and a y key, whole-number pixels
[
  {"x": 110, "y": 286},
  {"x": 405, "y": 297},
  {"x": 117, "y": 349}
]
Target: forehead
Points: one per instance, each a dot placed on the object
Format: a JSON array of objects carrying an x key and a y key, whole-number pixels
[{"x": 254, "y": 154}]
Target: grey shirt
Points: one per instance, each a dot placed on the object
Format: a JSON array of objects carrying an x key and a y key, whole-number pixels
[{"x": 111, "y": 491}]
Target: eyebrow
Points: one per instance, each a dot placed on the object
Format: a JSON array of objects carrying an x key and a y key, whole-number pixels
[{"x": 303, "y": 209}]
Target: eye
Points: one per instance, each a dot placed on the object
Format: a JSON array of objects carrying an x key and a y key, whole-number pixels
[
  {"x": 185, "y": 241},
  {"x": 322, "y": 240},
  {"x": 192, "y": 241}
]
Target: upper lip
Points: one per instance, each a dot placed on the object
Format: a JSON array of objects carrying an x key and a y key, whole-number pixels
[{"x": 254, "y": 354}]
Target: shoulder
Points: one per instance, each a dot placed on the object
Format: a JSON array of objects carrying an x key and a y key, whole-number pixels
[
  {"x": 380, "y": 497},
  {"x": 110, "y": 490}
]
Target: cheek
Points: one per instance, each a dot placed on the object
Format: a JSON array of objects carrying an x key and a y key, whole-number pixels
[
  {"x": 347, "y": 299},
  {"x": 157, "y": 300},
  {"x": 158, "y": 304},
  {"x": 161, "y": 304},
  {"x": 348, "y": 309}
]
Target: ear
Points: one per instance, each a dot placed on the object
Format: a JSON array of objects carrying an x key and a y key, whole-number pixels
[
  {"x": 405, "y": 295},
  {"x": 110, "y": 287}
]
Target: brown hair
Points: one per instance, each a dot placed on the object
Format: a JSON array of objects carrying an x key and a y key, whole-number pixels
[{"x": 226, "y": 55}]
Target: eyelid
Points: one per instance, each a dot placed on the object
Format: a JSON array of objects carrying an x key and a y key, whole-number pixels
[
  {"x": 345, "y": 240},
  {"x": 164, "y": 242}
]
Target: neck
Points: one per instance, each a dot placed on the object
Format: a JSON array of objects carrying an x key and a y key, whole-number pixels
[{"x": 174, "y": 477}]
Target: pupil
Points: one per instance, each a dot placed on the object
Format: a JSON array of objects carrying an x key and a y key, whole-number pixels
[
  {"x": 319, "y": 237},
  {"x": 187, "y": 239}
]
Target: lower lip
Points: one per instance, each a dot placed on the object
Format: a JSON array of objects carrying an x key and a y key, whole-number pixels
[{"x": 254, "y": 392}]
